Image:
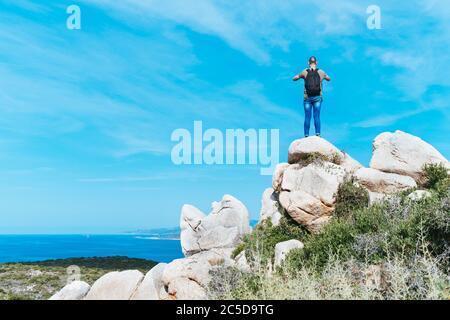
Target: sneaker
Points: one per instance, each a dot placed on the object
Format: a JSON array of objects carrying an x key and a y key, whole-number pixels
[{"x": 318, "y": 135}]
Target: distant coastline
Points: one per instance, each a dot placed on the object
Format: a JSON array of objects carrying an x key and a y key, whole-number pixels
[
  {"x": 158, "y": 237},
  {"x": 157, "y": 233},
  {"x": 19, "y": 248},
  {"x": 165, "y": 233}
]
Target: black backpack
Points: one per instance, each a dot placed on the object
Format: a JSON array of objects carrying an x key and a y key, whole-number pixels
[{"x": 312, "y": 83}]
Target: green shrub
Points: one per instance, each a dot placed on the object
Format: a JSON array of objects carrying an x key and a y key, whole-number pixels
[
  {"x": 442, "y": 187},
  {"x": 317, "y": 157},
  {"x": 396, "y": 227},
  {"x": 435, "y": 175},
  {"x": 261, "y": 242},
  {"x": 370, "y": 234},
  {"x": 349, "y": 198},
  {"x": 239, "y": 248},
  {"x": 335, "y": 239}
]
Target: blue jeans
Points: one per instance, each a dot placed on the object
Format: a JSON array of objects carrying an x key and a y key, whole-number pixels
[{"x": 312, "y": 104}]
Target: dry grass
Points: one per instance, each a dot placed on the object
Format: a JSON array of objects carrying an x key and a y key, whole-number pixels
[{"x": 395, "y": 279}]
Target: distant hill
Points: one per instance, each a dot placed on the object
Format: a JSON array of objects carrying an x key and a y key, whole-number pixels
[{"x": 167, "y": 233}]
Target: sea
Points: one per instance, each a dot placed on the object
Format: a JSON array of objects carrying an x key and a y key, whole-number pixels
[{"x": 29, "y": 248}]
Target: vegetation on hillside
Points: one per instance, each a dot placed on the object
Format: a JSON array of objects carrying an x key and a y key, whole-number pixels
[
  {"x": 40, "y": 280},
  {"x": 396, "y": 249}
]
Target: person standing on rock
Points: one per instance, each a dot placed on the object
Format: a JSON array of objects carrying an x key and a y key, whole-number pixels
[{"x": 313, "y": 98}]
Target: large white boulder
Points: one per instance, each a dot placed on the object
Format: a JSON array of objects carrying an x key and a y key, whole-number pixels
[
  {"x": 116, "y": 286},
  {"x": 229, "y": 212},
  {"x": 270, "y": 207},
  {"x": 75, "y": 290},
  {"x": 308, "y": 185},
  {"x": 320, "y": 180},
  {"x": 222, "y": 228},
  {"x": 301, "y": 149},
  {"x": 309, "y": 193},
  {"x": 305, "y": 209},
  {"x": 382, "y": 182},
  {"x": 150, "y": 287},
  {"x": 283, "y": 248},
  {"x": 404, "y": 154}
]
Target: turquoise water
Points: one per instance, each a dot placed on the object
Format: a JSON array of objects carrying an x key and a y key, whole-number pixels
[{"x": 19, "y": 248}]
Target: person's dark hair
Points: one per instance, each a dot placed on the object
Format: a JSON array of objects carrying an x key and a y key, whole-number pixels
[{"x": 312, "y": 59}]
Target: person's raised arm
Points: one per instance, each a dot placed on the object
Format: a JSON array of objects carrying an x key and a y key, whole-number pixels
[
  {"x": 327, "y": 77},
  {"x": 299, "y": 76}
]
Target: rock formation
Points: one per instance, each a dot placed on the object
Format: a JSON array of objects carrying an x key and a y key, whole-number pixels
[
  {"x": 116, "y": 286},
  {"x": 222, "y": 228},
  {"x": 382, "y": 182},
  {"x": 207, "y": 242},
  {"x": 305, "y": 188}
]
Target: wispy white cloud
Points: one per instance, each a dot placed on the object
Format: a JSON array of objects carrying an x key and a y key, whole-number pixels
[
  {"x": 122, "y": 179},
  {"x": 27, "y": 5},
  {"x": 253, "y": 27},
  {"x": 55, "y": 95},
  {"x": 433, "y": 103},
  {"x": 386, "y": 119}
]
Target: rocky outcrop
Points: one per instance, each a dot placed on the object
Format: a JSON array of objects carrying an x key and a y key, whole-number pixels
[
  {"x": 283, "y": 248},
  {"x": 307, "y": 186},
  {"x": 207, "y": 242},
  {"x": 75, "y": 290},
  {"x": 222, "y": 228},
  {"x": 404, "y": 154},
  {"x": 305, "y": 189}
]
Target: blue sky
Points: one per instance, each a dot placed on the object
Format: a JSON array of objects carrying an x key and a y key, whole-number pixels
[{"x": 87, "y": 115}]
